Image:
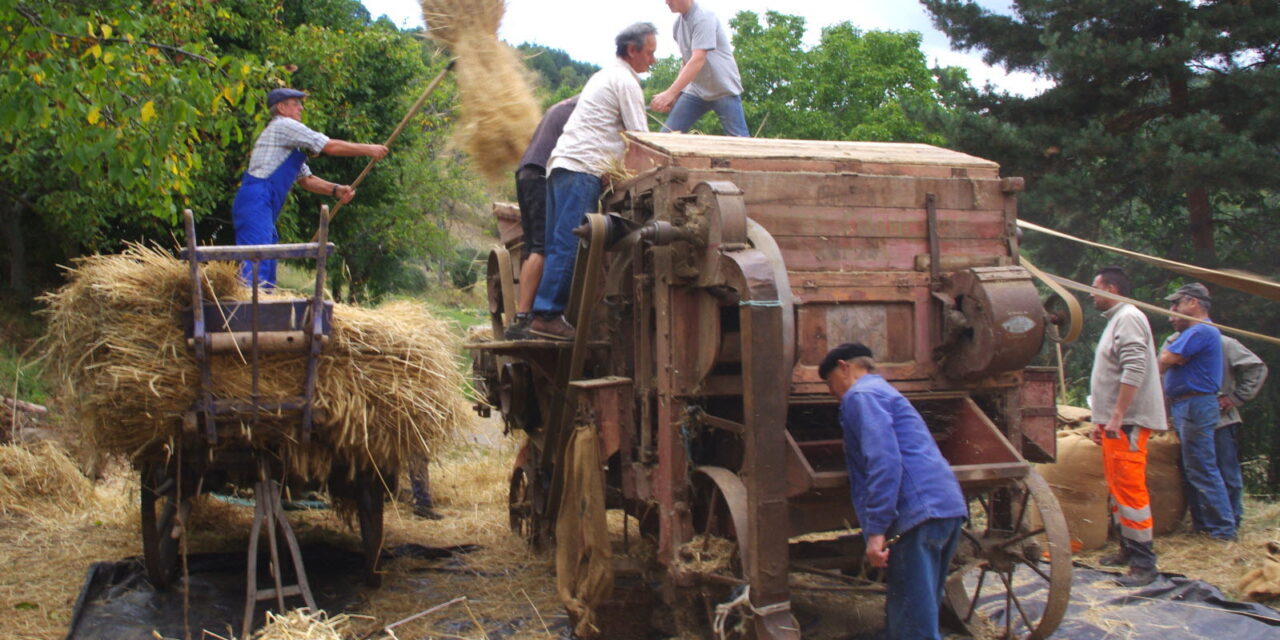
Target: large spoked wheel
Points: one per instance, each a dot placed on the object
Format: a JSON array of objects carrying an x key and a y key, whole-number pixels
[
  {"x": 370, "y": 494},
  {"x": 1014, "y": 559},
  {"x": 158, "y": 499},
  {"x": 714, "y": 557},
  {"x": 522, "y": 499}
]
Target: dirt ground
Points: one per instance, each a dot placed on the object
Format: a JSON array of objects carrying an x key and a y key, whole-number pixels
[{"x": 47, "y": 543}]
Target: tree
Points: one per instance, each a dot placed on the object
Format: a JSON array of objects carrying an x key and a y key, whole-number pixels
[
  {"x": 115, "y": 117},
  {"x": 852, "y": 85},
  {"x": 109, "y": 117},
  {"x": 1182, "y": 90},
  {"x": 1159, "y": 134},
  {"x": 560, "y": 75}
]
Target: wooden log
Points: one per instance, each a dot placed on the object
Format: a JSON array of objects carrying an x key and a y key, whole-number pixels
[{"x": 26, "y": 407}]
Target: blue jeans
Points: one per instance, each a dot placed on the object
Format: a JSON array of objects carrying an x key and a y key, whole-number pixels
[
  {"x": 570, "y": 196},
  {"x": 688, "y": 108},
  {"x": 918, "y": 564},
  {"x": 1196, "y": 419},
  {"x": 1227, "y": 445}
]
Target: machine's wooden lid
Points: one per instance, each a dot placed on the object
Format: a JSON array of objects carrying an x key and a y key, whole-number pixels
[{"x": 646, "y": 150}]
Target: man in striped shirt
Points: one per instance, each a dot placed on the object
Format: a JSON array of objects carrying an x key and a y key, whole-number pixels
[{"x": 277, "y": 162}]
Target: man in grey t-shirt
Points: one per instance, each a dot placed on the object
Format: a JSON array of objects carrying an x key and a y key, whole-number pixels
[{"x": 709, "y": 79}]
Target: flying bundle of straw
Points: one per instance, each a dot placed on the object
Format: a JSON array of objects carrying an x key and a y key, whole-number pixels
[
  {"x": 386, "y": 379},
  {"x": 499, "y": 112}
]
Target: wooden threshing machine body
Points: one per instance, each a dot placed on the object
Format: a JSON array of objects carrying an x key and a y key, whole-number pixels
[{"x": 707, "y": 293}]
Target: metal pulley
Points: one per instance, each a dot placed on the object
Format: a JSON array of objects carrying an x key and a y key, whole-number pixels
[
  {"x": 1062, "y": 311},
  {"x": 993, "y": 323}
]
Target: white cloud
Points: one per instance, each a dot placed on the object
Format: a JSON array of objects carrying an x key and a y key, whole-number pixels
[{"x": 585, "y": 28}]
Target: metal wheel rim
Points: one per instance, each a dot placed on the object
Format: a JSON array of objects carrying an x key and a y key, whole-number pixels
[{"x": 1035, "y": 494}]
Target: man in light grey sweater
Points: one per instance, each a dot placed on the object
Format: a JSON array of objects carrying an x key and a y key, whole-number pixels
[{"x": 1128, "y": 404}]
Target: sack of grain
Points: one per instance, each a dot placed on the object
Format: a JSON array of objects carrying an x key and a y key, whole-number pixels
[
  {"x": 1077, "y": 481},
  {"x": 1164, "y": 482}
]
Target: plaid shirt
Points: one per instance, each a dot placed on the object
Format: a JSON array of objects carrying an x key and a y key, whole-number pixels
[{"x": 281, "y": 136}]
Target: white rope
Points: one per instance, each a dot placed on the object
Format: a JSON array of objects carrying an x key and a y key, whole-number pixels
[
  {"x": 1238, "y": 280},
  {"x": 743, "y": 601}
]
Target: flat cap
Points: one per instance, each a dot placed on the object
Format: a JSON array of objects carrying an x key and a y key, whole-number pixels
[
  {"x": 1192, "y": 289},
  {"x": 276, "y": 95}
]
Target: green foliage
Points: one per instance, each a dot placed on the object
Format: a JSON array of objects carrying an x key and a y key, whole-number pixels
[
  {"x": 852, "y": 85},
  {"x": 105, "y": 123},
  {"x": 115, "y": 116},
  {"x": 1159, "y": 135},
  {"x": 559, "y": 75}
]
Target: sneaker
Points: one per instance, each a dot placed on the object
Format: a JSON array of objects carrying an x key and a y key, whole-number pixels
[
  {"x": 425, "y": 512},
  {"x": 519, "y": 330},
  {"x": 1117, "y": 559},
  {"x": 1137, "y": 577},
  {"x": 555, "y": 329}
]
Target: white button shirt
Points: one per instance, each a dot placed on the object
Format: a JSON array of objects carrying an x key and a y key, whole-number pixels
[{"x": 611, "y": 102}]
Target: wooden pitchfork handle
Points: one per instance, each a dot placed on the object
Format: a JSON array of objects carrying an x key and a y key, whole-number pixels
[{"x": 394, "y": 134}]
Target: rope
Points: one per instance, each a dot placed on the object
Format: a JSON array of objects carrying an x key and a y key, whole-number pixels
[
  {"x": 743, "y": 601},
  {"x": 1239, "y": 281},
  {"x": 1071, "y": 284}
]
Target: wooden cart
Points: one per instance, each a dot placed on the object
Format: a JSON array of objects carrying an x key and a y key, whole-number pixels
[{"x": 212, "y": 449}]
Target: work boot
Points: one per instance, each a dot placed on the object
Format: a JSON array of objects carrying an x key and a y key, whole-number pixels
[
  {"x": 1137, "y": 577},
  {"x": 556, "y": 328},
  {"x": 425, "y": 512},
  {"x": 519, "y": 330},
  {"x": 1118, "y": 559}
]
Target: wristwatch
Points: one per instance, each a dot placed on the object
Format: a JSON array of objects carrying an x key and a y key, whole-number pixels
[{"x": 335, "y": 191}]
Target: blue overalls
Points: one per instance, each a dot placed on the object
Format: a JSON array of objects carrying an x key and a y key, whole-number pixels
[{"x": 256, "y": 207}]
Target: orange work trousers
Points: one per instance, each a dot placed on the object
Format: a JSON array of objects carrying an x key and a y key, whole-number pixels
[{"x": 1124, "y": 462}]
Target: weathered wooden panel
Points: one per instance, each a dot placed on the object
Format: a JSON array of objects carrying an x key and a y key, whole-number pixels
[
  {"x": 856, "y": 190},
  {"x": 878, "y": 222},
  {"x": 884, "y": 327},
  {"x": 888, "y": 254},
  {"x": 679, "y": 147}
]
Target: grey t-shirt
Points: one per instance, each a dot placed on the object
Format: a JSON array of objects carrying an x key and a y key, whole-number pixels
[{"x": 700, "y": 29}]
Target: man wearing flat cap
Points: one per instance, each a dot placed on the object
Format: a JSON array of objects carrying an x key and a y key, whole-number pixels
[
  {"x": 1192, "y": 368},
  {"x": 277, "y": 162},
  {"x": 908, "y": 500}
]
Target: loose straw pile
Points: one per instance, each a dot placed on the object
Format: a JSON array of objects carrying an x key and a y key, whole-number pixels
[
  {"x": 303, "y": 624},
  {"x": 498, "y": 111},
  {"x": 387, "y": 378}
]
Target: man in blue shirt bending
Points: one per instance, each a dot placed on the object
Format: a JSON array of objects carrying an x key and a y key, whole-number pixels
[
  {"x": 1192, "y": 368},
  {"x": 908, "y": 501}
]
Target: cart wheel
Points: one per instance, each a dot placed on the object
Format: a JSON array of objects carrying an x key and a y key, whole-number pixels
[
  {"x": 719, "y": 516},
  {"x": 1015, "y": 543},
  {"x": 369, "y": 503},
  {"x": 159, "y": 516},
  {"x": 522, "y": 497}
]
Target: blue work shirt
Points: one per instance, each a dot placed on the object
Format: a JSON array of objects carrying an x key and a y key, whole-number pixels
[
  {"x": 897, "y": 476},
  {"x": 1201, "y": 345}
]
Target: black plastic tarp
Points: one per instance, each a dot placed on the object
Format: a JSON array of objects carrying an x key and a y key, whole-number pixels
[{"x": 1173, "y": 607}]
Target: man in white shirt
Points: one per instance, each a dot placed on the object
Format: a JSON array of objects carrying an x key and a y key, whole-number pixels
[
  {"x": 709, "y": 79},
  {"x": 611, "y": 102},
  {"x": 277, "y": 162}
]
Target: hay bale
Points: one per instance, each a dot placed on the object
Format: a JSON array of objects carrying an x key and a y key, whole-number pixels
[
  {"x": 387, "y": 378},
  {"x": 39, "y": 478},
  {"x": 498, "y": 111},
  {"x": 1078, "y": 482},
  {"x": 302, "y": 624},
  {"x": 1164, "y": 482}
]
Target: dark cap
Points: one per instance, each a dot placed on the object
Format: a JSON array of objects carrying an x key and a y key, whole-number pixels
[
  {"x": 276, "y": 95},
  {"x": 1193, "y": 289},
  {"x": 846, "y": 351}
]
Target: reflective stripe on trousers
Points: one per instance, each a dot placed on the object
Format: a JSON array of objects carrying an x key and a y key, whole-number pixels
[{"x": 1124, "y": 463}]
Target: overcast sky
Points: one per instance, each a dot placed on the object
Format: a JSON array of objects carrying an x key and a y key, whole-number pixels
[{"x": 585, "y": 28}]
